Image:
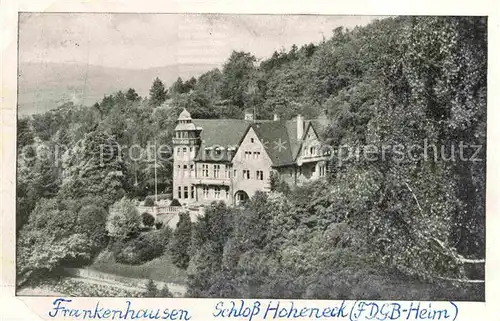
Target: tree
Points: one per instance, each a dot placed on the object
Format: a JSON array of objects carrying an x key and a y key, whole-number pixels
[
  {"x": 157, "y": 93},
  {"x": 277, "y": 184},
  {"x": 91, "y": 221},
  {"x": 94, "y": 167},
  {"x": 49, "y": 239},
  {"x": 132, "y": 95},
  {"x": 38, "y": 177},
  {"x": 177, "y": 87},
  {"x": 24, "y": 133},
  {"x": 179, "y": 247},
  {"x": 123, "y": 220},
  {"x": 210, "y": 234},
  {"x": 120, "y": 99},
  {"x": 236, "y": 75}
]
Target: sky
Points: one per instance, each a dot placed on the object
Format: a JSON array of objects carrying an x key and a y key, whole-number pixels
[{"x": 140, "y": 41}]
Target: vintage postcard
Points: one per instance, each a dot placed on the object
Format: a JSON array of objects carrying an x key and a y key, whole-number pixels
[{"x": 236, "y": 155}]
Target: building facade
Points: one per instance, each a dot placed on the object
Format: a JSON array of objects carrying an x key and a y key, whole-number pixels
[{"x": 231, "y": 159}]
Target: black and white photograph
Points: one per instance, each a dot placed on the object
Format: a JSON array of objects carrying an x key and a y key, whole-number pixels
[{"x": 276, "y": 156}]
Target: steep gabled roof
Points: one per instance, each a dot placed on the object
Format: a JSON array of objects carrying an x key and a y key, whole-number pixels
[
  {"x": 276, "y": 141},
  {"x": 279, "y": 138},
  {"x": 220, "y": 132}
]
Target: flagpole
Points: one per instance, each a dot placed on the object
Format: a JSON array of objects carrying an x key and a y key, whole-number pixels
[{"x": 156, "y": 178}]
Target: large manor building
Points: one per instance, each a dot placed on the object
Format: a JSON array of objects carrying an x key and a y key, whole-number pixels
[{"x": 231, "y": 159}]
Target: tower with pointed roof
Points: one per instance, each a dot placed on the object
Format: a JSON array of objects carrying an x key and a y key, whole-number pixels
[{"x": 186, "y": 142}]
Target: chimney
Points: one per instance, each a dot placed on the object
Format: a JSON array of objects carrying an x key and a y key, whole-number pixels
[
  {"x": 276, "y": 117},
  {"x": 300, "y": 127},
  {"x": 248, "y": 115}
]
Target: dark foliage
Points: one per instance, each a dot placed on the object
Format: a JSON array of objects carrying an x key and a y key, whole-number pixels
[
  {"x": 147, "y": 219},
  {"x": 175, "y": 202},
  {"x": 143, "y": 248},
  {"x": 149, "y": 201},
  {"x": 179, "y": 247}
]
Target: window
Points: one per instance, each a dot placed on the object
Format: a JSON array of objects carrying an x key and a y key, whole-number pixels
[
  {"x": 227, "y": 192},
  {"x": 260, "y": 175},
  {"x": 248, "y": 155},
  {"x": 184, "y": 171},
  {"x": 217, "y": 191},
  {"x": 186, "y": 192},
  {"x": 205, "y": 170},
  {"x": 179, "y": 192},
  {"x": 235, "y": 172},
  {"x": 205, "y": 191},
  {"x": 252, "y": 140},
  {"x": 216, "y": 171},
  {"x": 191, "y": 168},
  {"x": 246, "y": 174},
  {"x": 192, "y": 192},
  {"x": 256, "y": 155},
  {"x": 228, "y": 173},
  {"x": 322, "y": 170},
  {"x": 178, "y": 151},
  {"x": 179, "y": 170},
  {"x": 184, "y": 150}
]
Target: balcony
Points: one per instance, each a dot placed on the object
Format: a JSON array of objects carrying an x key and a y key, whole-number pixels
[
  {"x": 212, "y": 181},
  {"x": 185, "y": 141},
  {"x": 312, "y": 158}
]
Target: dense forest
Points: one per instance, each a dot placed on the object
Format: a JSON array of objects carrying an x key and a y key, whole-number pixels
[{"x": 385, "y": 228}]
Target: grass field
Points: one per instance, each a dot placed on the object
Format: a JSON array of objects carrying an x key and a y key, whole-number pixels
[{"x": 159, "y": 269}]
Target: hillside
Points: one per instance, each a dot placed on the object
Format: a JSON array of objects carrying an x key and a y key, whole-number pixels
[
  {"x": 46, "y": 86},
  {"x": 400, "y": 213}
]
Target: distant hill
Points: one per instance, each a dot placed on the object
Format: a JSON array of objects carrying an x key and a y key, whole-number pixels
[{"x": 46, "y": 86}]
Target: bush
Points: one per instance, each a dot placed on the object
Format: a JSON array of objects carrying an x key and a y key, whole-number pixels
[
  {"x": 151, "y": 289},
  {"x": 123, "y": 221},
  {"x": 147, "y": 219},
  {"x": 160, "y": 269},
  {"x": 164, "y": 196},
  {"x": 149, "y": 201},
  {"x": 165, "y": 293},
  {"x": 175, "y": 202},
  {"x": 144, "y": 248},
  {"x": 277, "y": 184},
  {"x": 153, "y": 292},
  {"x": 159, "y": 225}
]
